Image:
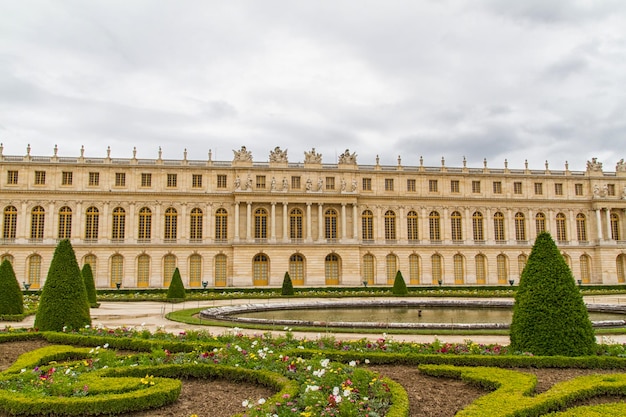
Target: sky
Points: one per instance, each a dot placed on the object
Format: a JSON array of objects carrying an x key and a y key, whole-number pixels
[{"x": 535, "y": 80}]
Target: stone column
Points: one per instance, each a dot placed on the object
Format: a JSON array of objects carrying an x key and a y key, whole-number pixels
[
  {"x": 468, "y": 234},
  {"x": 130, "y": 231},
  {"x": 573, "y": 236},
  {"x": 77, "y": 223},
  {"x": 320, "y": 222},
  {"x": 236, "y": 235},
  {"x": 609, "y": 233},
  {"x": 355, "y": 222},
  {"x": 273, "y": 220},
  {"x": 208, "y": 225},
  {"x": 343, "y": 222},
  {"x": 510, "y": 226},
  {"x": 599, "y": 225},
  {"x": 285, "y": 222},
  {"x": 157, "y": 225},
  {"x": 308, "y": 222},
  {"x": 380, "y": 225},
  {"x": 51, "y": 222},
  {"x": 248, "y": 221},
  {"x": 105, "y": 230},
  {"x": 183, "y": 226}
]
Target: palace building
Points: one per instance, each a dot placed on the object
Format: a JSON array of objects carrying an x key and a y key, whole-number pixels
[{"x": 243, "y": 223}]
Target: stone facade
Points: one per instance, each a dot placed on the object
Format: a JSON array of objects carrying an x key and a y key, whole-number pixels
[{"x": 244, "y": 223}]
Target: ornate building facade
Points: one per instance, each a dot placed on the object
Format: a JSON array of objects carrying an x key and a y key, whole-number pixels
[{"x": 243, "y": 223}]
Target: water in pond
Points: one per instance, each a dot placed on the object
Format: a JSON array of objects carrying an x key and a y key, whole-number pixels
[{"x": 404, "y": 315}]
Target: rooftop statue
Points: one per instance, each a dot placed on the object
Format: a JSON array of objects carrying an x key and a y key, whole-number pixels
[
  {"x": 242, "y": 155},
  {"x": 347, "y": 157},
  {"x": 594, "y": 165},
  {"x": 278, "y": 155},
  {"x": 621, "y": 166},
  {"x": 312, "y": 157}
]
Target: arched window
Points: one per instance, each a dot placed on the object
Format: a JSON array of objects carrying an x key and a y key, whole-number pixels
[
  {"x": 260, "y": 268},
  {"x": 414, "y": 269},
  {"x": 436, "y": 269},
  {"x": 390, "y": 225},
  {"x": 367, "y": 225},
  {"x": 169, "y": 266},
  {"x": 540, "y": 223},
  {"x": 369, "y": 269},
  {"x": 503, "y": 273},
  {"x": 92, "y": 260},
  {"x": 621, "y": 268},
  {"x": 521, "y": 264},
  {"x": 585, "y": 269},
  {"x": 34, "y": 271},
  {"x": 434, "y": 226},
  {"x": 143, "y": 271},
  {"x": 295, "y": 225},
  {"x": 581, "y": 227},
  {"x": 561, "y": 231},
  {"x": 498, "y": 227},
  {"x": 7, "y": 257},
  {"x": 481, "y": 269},
  {"x": 260, "y": 223},
  {"x": 478, "y": 229},
  {"x": 195, "y": 270},
  {"x": 117, "y": 270},
  {"x": 171, "y": 225},
  {"x": 92, "y": 218},
  {"x": 520, "y": 227},
  {"x": 332, "y": 269},
  {"x": 9, "y": 229},
  {"x": 220, "y": 270},
  {"x": 221, "y": 225},
  {"x": 118, "y": 226},
  {"x": 65, "y": 223},
  {"x": 195, "y": 225},
  {"x": 459, "y": 269},
  {"x": 455, "y": 226},
  {"x": 615, "y": 235},
  {"x": 330, "y": 224},
  {"x": 411, "y": 225},
  {"x": 296, "y": 269},
  {"x": 37, "y": 219},
  {"x": 145, "y": 225},
  {"x": 392, "y": 267}
]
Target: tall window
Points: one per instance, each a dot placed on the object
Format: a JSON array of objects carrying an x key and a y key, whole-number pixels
[
  {"x": 392, "y": 268},
  {"x": 414, "y": 269},
  {"x": 295, "y": 224},
  {"x": 144, "y": 231},
  {"x": 410, "y": 185},
  {"x": 581, "y": 227},
  {"x": 37, "y": 219},
  {"x": 260, "y": 269},
  {"x": 367, "y": 184},
  {"x": 433, "y": 186},
  {"x": 558, "y": 189},
  {"x": 455, "y": 186},
  {"x": 521, "y": 264},
  {"x": 65, "y": 223},
  {"x": 195, "y": 270},
  {"x": 540, "y": 223},
  {"x": 621, "y": 268},
  {"x": 538, "y": 188},
  {"x": 330, "y": 224},
  {"x": 296, "y": 269},
  {"x": 497, "y": 187},
  {"x": 92, "y": 217},
  {"x": 477, "y": 225},
  {"x": 221, "y": 225},
  {"x": 390, "y": 225},
  {"x": 501, "y": 266},
  {"x": 585, "y": 269},
  {"x": 520, "y": 227},
  {"x": 578, "y": 189},
  {"x": 434, "y": 226},
  {"x": 615, "y": 235},
  {"x": 171, "y": 223},
  {"x": 146, "y": 179},
  {"x": 517, "y": 187},
  {"x": 221, "y": 181},
  {"x": 260, "y": 182},
  {"x": 117, "y": 270},
  {"x": 9, "y": 227},
  {"x": 220, "y": 270},
  {"x": 498, "y": 227},
  {"x": 332, "y": 269},
  {"x": 388, "y": 184},
  {"x": 296, "y": 183},
  {"x": 172, "y": 180},
  {"x": 196, "y": 181},
  {"x": 143, "y": 271},
  {"x": 436, "y": 268},
  {"x": 561, "y": 231},
  {"x": 169, "y": 266},
  {"x": 260, "y": 223},
  {"x": 94, "y": 179},
  {"x": 34, "y": 271},
  {"x": 455, "y": 226},
  {"x": 459, "y": 269},
  {"x": 195, "y": 225},
  {"x": 481, "y": 269},
  {"x": 368, "y": 268},
  {"x": 118, "y": 226},
  {"x": 40, "y": 177},
  {"x": 330, "y": 183},
  {"x": 120, "y": 179},
  {"x": 411, "y": 225},
  {"x": 476, "y": 187},
  {"x": 12, "y": 177},
  {"x": 66, "y": 177},
  {"x": 367, "y": 225}
]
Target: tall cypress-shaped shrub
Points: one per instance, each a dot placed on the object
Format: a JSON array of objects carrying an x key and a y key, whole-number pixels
[
  {"x": 11, "y": 298},
  {"x": 90, "y": 286},
  {"x": 399, "y": 286},
  {"x": 176, "y": 290},
  {"x": 63, "y": 301},
  {"x": 287, "y": 285},
  {"x": 549, "y": 315}
]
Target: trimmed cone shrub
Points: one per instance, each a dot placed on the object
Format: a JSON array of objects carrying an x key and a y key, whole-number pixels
[
  {"x": 63, "y": 301},
  {"x": 287, "y": 285},
  {"x": 176, "y": 289},
  {"x": 399, "y": 286},
  {"x": 90, "y": 286},
  {"x": 549, "y": 315},
  {"x": 11, "y": 298}
]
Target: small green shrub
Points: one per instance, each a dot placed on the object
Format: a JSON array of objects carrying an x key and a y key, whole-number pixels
[
  {"x": 90, "y": 286},
  {"x": 287, "y": 285},
  {"x": 399, "y": 286},
  {"x": 176, "y": 290},
  {"x": 11, "y": 298}
]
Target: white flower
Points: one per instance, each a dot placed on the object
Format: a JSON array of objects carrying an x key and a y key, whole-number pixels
[
  {"x": 245, "y": 403},
  {"x": 319, "y": 373},
  {"x": 312, "y": 388},
  {"x": 346, "y": 392},
  {"x": 106, "y": 346},
  {"x": 261, "y": 400},
  {"x": 336, "y": 391},
  {"x": 352, "y": 363},
  {"x": 324, "y": 363},
  {"x": 23, "y": 370},
  {"x": 367, "y": 361}
]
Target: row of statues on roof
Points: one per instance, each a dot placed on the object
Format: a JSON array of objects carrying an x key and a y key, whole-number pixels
[{"x": 279, "y": 155}]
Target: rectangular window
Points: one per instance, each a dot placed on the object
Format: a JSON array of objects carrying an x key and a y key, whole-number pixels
[
  {"x": 367, "y": 184},
  {"x": 558, "y": 189},
  {"x": 455, "y": 186},
  {"x": 295, "y": 183},
  {"x": 221, "y": 181},
  {"x": 538, "y": 188},
  {"x": 578, "y": 189},
  {"x": 410, "y": 185},
  {"x": 330, "y": 183},
  {"x": 432, "y": 186},
  {"x": 172, "y": 180},
  {"x": 610, "y": 189},
  {"x": 388, "y": 184},
  {"x": 497, "y": 187},
  {"x": 12, "y": 177},
  {"x": 120, "y": 179},
  {"x": 260, "y": 181},
  {"x": 146, "y": 180},
  {"x": 476, "y": 187},
  {"x": 94, "y": 179},
  {"x": 196, "y": 180},
  {"x": 40, "y": 177},
  {"x": 517, "y": 187},
  {"x": 66, "y": 178}
]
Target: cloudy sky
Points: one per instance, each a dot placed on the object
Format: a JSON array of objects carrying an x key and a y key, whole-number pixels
[{"x": 497, "y": 79}]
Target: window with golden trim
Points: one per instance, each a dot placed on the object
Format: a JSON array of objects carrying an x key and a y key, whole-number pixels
[
  {"x": 411, "y": 185},
  {"x": 40, "y": 177},
  {"x": 561, "y": 230},
  {"x": 581, "y": 227},
  {"x": 65, "y": 223},
  {"x": 92, "y": 220},
  {"x": 143, "y": 271},
  {"x": 367, "y": 225},
  {"x": 456, "y": 226},
  {"x": 169, "y": 266},
  {"x": 34, "y": 271},
  {"x": 540, "y": 223},
  {"x": 221, "y": 224},
  {"x": 9, "y": 226},
  {"x": 585, "y": 269},
  {"x": 517, "y": 187},
  {"x": 260, "y": 267},
  {"x": 330, "y": 224},
  {"x": 520, "y": 227},
  {"x": 12, "y": 177},
  {"x": 478, "y": 228},
  {"x": 455, "y": 186},
  {"x": 221, "y": 270},
  {"x": 221, "y": 181},
  {"x": 615, "y": 232},
  {"x": 498, "y": 227},
  {"x": 172, "y": 180},
  {"x": 388, "y": 184},
  {"x": 414, "y": 269},
  {"x": 118, "y": 225},
  {"x": 67, "y": 177},
  {"x": 434, "y": 226},
  {"x": 295, "y": 224},
  {"x": 196, "y": 180},
  {"x": 171, "y": 224},
  {"x": 296, "y": 269},
  {"x": 459, "y": 269},
  {"x": 521, "y": 264},
  {"x": 368, "y": 274},
  {"x": 391, "y": 263},
  {"x": 433, "y": 186},
  {"x": 437, "y": 273},
  {"x": 367, "y": 184},
  {"x": 195, "y": 270},
  {"x": 120, "y": 179},
  {"x": 117, "y": 270},
  {"x": 146, "y": 179},
  {"x": 195, "y": 224},
  {"x": 481, "y": 269},
  {"x": 502, "y": 270},
  {"x": 94, "y": 179},
  {"x": 144, "y": 231},
  {"x": 260, "y": 223},
  {"x": 332, "y": 271},
  {"x": 390, "y": 225},
  {"x": 412, "y": 225}
]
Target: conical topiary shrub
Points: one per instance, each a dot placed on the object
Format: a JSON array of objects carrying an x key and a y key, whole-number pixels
[
  {"x": 11, "y": 298},
  {"x": 176, "y": 290},
  {"x": 63, "y": 302},
  {"x": 549, "y": 315},
  {"x": 287, "y": 285},
  {"x": 399, "y": 286},
  {"x": 90, "y": 286}
]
